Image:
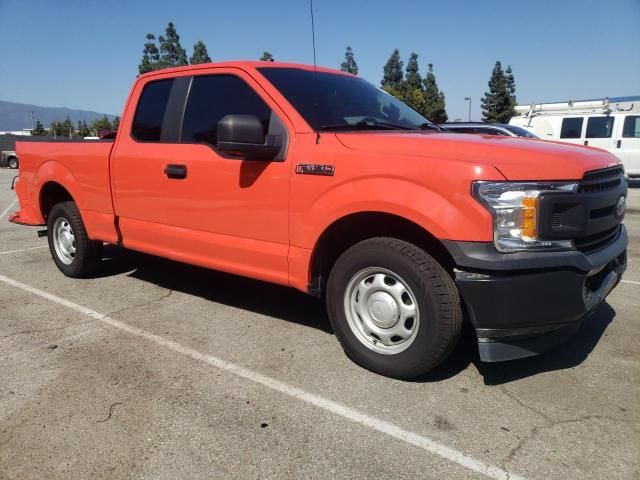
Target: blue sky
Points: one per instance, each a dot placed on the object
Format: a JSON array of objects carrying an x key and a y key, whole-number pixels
[{"x": 84, "y": 54}]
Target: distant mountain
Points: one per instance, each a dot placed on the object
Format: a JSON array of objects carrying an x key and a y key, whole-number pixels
[{"x": 16, "y": 116}]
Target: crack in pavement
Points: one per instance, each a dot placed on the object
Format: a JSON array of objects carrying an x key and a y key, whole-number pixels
[
  {"x": 504, "y": 390},
  {"x": 551, "y": 424},
  {"x": 138, "y": 305},
  {"x": 111, "y": 408},
  {"x": 26, "y": 332}
]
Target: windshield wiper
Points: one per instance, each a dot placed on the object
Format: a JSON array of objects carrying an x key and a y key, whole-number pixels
[
  {"x": 432, "y": 126},
  {"x": 366, "y": 125}
]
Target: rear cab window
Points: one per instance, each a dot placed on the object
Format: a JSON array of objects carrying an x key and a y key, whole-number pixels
[
  {"x": 571, "y": 127},
  {"x": 148, "y": 120}
]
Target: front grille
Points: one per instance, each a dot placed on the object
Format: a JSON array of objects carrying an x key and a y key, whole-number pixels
[
  {"x": 602, "y": 189},
  {"x": 601, "y": 180},
  {"x": 588, "y": 217}
]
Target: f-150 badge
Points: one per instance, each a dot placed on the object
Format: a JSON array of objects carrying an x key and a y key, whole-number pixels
[{"x": 315, "y": 169}]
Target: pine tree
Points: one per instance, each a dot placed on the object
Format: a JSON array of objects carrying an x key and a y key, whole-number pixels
[
  {"x": 434, "y": 104},
  {"x": 393, "y": 75},
  {"x": 266, "y": 57},
  {"x": 349, "y": 65},
  {"x": 83, "y": 129},
  {"x": 55, "y": 128},
  {"x": 115, "y": 124},
  {"x": 499, "y": 102},
  {"x": 413, "y": 88},
  {"x": 200, "y": 54},
  {"x": 171, "y": 52},
  {"x": 66, "y": 128},
  {"x": 101, "y": 124},
  {"x": 39, "y": 130},
  {"x": 511, "y": 87},
  {"x": 150, "y": 55}
]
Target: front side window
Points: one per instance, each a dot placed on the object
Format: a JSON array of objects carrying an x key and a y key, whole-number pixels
[
  {"x": 571, "y": 127},
  {"x": 331, "y": 101},
  {"x": 211, "y": 98},
  {"x": 600, "y": 127},
  {"x": 147, "y": 123},
  {"x": 631, "y": 128}
]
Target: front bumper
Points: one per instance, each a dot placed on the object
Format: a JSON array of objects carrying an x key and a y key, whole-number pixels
[{"x": 522, "y": 304}]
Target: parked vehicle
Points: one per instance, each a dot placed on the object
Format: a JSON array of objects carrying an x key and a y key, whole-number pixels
[
  {"x": 9, "y": 159},
  {"x": 611, "y": 124},
  {"x": 481, "y": 128},
  {"x": 318, "y": 180}
]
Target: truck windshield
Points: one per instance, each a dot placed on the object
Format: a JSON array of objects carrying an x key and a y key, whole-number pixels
[
  {"x": 519, "y": 131},
  {"x": 331, "y": 101}
]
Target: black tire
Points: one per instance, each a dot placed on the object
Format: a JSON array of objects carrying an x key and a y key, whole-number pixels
[
  {"x": 88, "y": 253},
  {"x": 12, "y": 162},
  {"x": 435, "y": 293}
]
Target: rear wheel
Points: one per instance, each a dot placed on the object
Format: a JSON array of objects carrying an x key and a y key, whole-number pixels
[
  {"x": 393, "y": 307},
  {"x": 13, "y": 162},
  {"x": 73, "y": 252}
]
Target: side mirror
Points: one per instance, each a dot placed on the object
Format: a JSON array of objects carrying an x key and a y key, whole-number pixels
[{"x": 243, "y": 136}]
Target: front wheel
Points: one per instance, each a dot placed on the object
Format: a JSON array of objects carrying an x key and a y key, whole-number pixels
[
  {"x": 74, "y": 253},
  {"x": 393, "y": 307},
  {"x": 13, "y": 163}
]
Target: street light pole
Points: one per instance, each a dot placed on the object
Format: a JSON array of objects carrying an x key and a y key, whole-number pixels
[{"x": 469, "y": 100}]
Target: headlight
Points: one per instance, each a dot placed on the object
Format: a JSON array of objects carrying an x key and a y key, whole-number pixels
[{"x": 514, "y": 207}]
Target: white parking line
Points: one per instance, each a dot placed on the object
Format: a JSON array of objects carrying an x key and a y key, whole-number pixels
[
  {"x": 632, "y": 282},
  {"x": 6, "y": 211},
  {"x": 343, "y": 411},
  {"x": 23, "y": 250}
]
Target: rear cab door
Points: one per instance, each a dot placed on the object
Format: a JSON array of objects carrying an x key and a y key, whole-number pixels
[{"x": 178, "y": 196}]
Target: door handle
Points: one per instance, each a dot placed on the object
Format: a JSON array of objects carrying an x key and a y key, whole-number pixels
[
  {"x": 586, "y": 142},
  {"x": 177, "y": 172},
  {"x": 619, "y": 144}
]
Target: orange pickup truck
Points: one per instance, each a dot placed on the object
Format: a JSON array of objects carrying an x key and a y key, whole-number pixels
[{"x": 318, "y": 180}]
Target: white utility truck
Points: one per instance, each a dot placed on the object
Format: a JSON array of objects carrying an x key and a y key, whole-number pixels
[{"x": 612, "y": 124}]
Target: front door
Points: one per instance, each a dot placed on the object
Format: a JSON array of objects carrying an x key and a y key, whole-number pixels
[{"x": 176, "y": 195}]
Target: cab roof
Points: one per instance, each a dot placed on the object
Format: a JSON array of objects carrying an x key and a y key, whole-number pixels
[{"x": 244, "y": 65}]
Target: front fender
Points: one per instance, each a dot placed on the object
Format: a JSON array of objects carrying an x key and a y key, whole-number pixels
[{"x": 454, "y": 216}]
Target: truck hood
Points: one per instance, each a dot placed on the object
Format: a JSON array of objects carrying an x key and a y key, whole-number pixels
[{"x": 515, "y": 158}]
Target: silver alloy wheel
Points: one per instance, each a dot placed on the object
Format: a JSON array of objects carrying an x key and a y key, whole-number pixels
[
  {"x": 381, "y": 310},
  {"x": 64, "y": 241},
  {"x": 13, "y": 163}
]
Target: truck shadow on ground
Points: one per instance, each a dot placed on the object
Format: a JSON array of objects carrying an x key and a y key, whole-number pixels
[
  {"x": 293, "y": 306},
  {"x": 569, "y": 354},
  {"x": 226, "y": 289}
]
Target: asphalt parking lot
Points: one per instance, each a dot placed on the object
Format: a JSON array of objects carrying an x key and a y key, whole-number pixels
[{"x": 160, "y": 370}]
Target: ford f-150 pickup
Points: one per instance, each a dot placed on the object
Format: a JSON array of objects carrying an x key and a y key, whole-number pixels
[{"x": 316, "y": 179}]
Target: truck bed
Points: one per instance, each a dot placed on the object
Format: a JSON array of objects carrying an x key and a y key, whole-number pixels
[{"x": 82, "y": 166}]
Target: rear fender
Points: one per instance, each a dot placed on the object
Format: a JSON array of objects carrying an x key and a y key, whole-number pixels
[{"x": 53, "y": 171}]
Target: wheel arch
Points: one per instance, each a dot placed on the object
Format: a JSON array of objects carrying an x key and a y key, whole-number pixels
[
  {"x": 356, "y": 227},
  {"x": 51, "y": 194},
  {"x": 54, "y": 183}
]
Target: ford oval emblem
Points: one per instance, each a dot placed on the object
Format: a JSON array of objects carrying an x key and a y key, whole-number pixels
[{"x": 621, "y": 206}]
